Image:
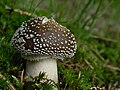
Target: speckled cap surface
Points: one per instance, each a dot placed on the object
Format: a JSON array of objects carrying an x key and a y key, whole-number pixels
[{"x": 45, "y": 38}]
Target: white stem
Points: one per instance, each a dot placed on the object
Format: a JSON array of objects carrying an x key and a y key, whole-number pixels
[{"x": 49, "y": 66}]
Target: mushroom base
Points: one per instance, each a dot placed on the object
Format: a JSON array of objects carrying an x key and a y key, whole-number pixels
[{"x": 49, "y": 66}]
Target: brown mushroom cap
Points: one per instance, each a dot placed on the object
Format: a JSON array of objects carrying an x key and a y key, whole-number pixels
[{"x": 44, "y": 37}]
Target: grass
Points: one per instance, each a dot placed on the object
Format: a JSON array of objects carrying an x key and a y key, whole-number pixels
[{"x": 95, "y": 24}]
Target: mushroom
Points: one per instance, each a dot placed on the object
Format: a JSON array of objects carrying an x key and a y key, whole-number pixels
[{"x": 42, "y": 42}]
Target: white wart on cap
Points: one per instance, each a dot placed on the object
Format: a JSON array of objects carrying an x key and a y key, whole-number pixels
[{"x": 44, "y": 37}]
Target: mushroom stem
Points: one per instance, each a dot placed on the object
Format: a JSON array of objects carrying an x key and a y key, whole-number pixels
[{"x": 49, "y": 66}]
